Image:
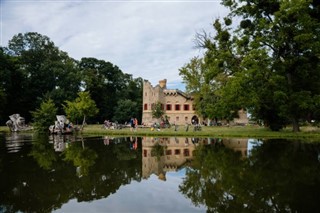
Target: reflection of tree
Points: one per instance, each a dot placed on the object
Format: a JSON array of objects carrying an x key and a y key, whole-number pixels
[
  {"x": 157, "y": 150},
  {"x": 25, "y": 187},
  {"x": 82, "y": 157},
  {"x": 123, "y": 150},
  {"x": 42, "y": 152},
  {"x": 278, "y": 177}
]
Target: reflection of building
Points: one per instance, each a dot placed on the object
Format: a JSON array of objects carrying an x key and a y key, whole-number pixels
[
  {"x": 176, "y": 153},
  {"x": 237, "y": 144}
]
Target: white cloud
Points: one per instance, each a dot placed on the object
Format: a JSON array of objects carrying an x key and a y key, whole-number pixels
[{"x": 148, "y": 39}]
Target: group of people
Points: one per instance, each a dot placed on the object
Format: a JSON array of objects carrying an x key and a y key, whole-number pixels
[{"x": 133, "y": 124}]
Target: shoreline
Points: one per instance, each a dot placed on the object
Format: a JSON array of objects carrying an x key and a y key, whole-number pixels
[{"x": 307, "y": 132}]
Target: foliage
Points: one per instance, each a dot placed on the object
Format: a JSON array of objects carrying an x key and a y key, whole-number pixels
[
  {"x": 157, "y": 110},
  {"x": 158, "y": 150},
  {"x": 42, "y": 152},
  {"x": 124, "y": 110},
  {"x": 269, "y": 63},
  {"x": 42, "y": 70},
  {"x": 82, "y": 107},
  {"x": 224, "y": 181},
  {"x": 82, "y": 157},
  {"x": 44, "y": 116},
  {"x": 101, "y": 77},
  {"x": 33, "y": 69}
]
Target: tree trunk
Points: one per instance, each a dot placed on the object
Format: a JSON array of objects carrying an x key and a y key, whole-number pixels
[
  {"x": 295, "y": 125},
  {"x": 83, "y": 122}
]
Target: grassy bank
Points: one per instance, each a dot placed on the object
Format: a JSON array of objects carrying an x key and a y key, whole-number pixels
[{"x": 236, "y": 131}]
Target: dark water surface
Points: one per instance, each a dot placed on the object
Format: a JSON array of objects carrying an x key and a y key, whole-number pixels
[{"x": 134, "y": 174}]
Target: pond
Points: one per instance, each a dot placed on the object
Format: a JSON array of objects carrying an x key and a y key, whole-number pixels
[{"x": 74, "y": 173}]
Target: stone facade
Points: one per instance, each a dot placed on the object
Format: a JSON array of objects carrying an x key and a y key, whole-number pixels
[{"x": 178, "y": 106}]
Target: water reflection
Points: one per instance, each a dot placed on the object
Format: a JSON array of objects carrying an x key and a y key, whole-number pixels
[
  {"x": 15, "y": 141},
  {"x": 43, "y": 174},
  {"x": 176, "y": 153},
  {"x": 278, "y": 176}
]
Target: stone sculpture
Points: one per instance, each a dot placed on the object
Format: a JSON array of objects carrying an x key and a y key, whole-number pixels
[{"x": 17, "y": 123}]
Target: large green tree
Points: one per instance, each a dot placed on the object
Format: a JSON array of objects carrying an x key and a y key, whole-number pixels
[
  {"x": 43, "y": 71},
  {"x": 104, "y": 81},
  {"x": 125, "y": 110},
  {"x": 11, "y": 86},
  {"x": 268, "y": 63},
  {"x": 109, "y": 86},
  {"x": 33, "y": 69}
]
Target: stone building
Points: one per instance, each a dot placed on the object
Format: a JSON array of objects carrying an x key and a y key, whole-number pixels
[{"x": 178, "y": 106}]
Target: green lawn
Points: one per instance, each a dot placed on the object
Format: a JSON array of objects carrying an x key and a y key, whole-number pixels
[{"x": 236, "y": 131}]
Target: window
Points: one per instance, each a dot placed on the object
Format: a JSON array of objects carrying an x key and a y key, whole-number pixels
[
  {"x": 186, "y": 119},
  {"x": 177, "y": 151},
  {"x": 168, "y": 152},
  {"x": 186, "y": 107},
  {"x": 168, "y": 107},
  {"x": 177, "y": 107},
  {"x": 186, "y": 152},
  {"x": 145, "y": 107},
  {"x": 177, "y": 118}
]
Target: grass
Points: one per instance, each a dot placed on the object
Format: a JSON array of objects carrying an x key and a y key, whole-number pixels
[
  {"x": 221, "y": 131},
  {"x": 236, "y": 131}
]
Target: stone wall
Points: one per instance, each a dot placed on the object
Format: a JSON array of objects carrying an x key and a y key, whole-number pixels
[{"x": 178, "y": 106}]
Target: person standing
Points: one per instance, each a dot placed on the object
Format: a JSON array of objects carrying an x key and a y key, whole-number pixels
[
  {"x": 131, "y": 124},
  {"x": 136, "y": 123}
]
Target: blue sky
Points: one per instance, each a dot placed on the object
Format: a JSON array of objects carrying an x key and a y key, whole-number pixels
[{"x": 148, "y": 39}]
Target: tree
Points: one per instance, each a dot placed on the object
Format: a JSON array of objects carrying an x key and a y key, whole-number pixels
[
  {"x": 269, "y": 62},
  {"x": 124, "y": 110},
  {"x": 101, "y": 77},
  {"x": 11, "y": 87},
  {"x": 82, "y": 107},
  {"x": 44, "y": 116},
  {"x": 287, "y": 31},
  {"x": 42, "y": 71},
  {"x": 157, "y": 110},
  {"x": 133, "y": 91}
]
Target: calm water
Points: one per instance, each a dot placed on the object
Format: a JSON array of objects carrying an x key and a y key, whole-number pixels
[{"x": 128, "y": 174}]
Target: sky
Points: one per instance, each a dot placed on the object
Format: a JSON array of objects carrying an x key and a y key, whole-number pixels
[
  {"x": 149, "y": 195},
  {"x": 151, "y": 39}
]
